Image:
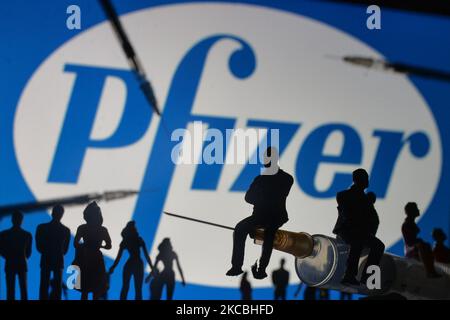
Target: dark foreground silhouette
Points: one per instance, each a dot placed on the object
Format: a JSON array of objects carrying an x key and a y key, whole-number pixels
[
  {"x": 441, "y": 252},
  {"x": 356, "y": 225},
  {"x": 415, "y": 247},
  {"x": 280, "y": 280},
  {"x": 55, "y": 292},
  {"x": 310, "y": 293},
  {"x": 165, "y": 278},
  {"x": 267, "y": 194},
  {"x": 89, "y": 239},
  {"x": 52, "y": 242},
  {"x": 345, "y": 296},
  {"x": 245, "y": 287}
]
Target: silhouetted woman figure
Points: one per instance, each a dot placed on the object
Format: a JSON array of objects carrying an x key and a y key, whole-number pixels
[
  {"x": 89, "y": 239},
  {"x": 167, "y": 276},
  {"x": 133, "y": 243}
]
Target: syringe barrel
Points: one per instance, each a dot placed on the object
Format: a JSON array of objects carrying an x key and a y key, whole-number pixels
[{"x": 326, "y": 265}]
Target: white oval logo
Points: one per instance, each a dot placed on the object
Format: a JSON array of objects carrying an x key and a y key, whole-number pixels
[{"x": 81, "y": 126}]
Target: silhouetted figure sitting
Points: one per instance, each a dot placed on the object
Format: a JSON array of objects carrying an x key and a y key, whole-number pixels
[
  {"x": 52, "y": 241},
  {"x": 356, "y": 225},
  {"x": 165, "y": 278},
  {"x": 16, "y": 249},
  {"x": 267, "y": 193},
  {"x": 245, "y": 288},
  {"x": 280, "y": 279},
  {"x": 133, "y": 243},
  {"x": 89, "y": 239},
  {"x": 441, "y": 252},
  {"x": 415, "y": 247}
]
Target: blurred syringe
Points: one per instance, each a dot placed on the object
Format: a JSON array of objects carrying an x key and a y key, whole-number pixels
[{"x": 320, "y": 261}]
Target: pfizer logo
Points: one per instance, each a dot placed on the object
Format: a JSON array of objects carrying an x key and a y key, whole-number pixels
[{"x": 82, "y": 126}]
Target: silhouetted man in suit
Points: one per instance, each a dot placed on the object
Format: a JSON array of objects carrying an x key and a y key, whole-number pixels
[
  {"x": 280, "y": 279},
  {"x": 52, "y": 241},
  {"x": 267, "y": 193},
  {"x": 355, "y": 226},
  {"x": 16, "y": 249}
]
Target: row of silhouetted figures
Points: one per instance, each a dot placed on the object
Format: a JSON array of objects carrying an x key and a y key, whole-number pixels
[{"x": 52, "y": 242}]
